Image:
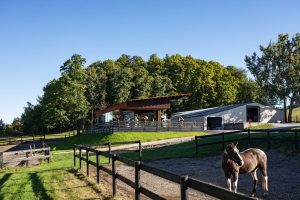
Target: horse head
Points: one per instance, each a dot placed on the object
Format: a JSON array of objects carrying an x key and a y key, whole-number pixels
[{"x": 234, "y": 154}]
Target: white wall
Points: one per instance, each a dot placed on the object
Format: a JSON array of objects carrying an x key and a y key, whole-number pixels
[
  {"x": 235, "y": 115},
  {"x": 271, "y": 115}
]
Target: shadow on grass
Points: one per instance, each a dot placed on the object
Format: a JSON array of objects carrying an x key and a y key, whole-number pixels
[
  {"x": 2, "y": 181},
  {"x": 82, "y": 177},
  {"x": 38, "y": 187}
]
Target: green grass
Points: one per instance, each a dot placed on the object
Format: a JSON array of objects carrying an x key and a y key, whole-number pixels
[
  {"x": 119, "y": 137},
  {"x": 188, "y": 149},
  {"x": 55, "y": 180},
  {"x": 261, "y": 126}
]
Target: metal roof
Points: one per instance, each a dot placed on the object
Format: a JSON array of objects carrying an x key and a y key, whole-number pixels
[{"x": 206, "y": 111}]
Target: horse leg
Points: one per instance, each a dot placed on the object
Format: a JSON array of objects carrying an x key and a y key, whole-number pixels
[
  {"x": 254, "y": 176},
  {"x": 235, "y": 181},
  {"x": 264, "y": 179},
  {"x": 229, "y": 183}
]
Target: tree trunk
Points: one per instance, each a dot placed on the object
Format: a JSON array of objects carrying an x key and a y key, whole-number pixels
[
  {"x": 291, "y": 110},
  {"x": 284, "y": 109}
]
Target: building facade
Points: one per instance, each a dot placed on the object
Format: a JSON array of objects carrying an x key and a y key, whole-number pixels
[{"x": 237, "y": 116}]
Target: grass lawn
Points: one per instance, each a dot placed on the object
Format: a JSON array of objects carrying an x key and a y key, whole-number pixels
[
  {"x": 55, "y": 180},
  {"x": 188, "y": 149},
  {"x": 262, "y": 126},
  {"x": 119, "y": 137}
]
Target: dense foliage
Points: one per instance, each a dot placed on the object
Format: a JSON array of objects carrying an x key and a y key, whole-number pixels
[
  {"x": 71, "y": 101},
  {"x": 277, "y": 70}
]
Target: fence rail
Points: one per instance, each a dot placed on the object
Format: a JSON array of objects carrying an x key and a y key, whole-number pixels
[
  {"x": 24, "y": 156},
  {"x": 185, "y": 182},
  {"x": 247, "y": 135},
  {"x": 124, "y": 126}
]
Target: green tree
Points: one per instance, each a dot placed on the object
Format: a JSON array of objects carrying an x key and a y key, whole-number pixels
[{"x": 277, "y": 69}]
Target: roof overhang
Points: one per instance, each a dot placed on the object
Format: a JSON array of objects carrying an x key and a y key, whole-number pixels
[{"x": 151, "y": 103}]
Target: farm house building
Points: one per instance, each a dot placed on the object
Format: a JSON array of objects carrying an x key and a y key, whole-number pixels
[{"x": 237, "y": 116}]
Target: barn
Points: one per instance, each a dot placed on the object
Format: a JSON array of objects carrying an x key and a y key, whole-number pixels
[{"x": 231, "y": 117}]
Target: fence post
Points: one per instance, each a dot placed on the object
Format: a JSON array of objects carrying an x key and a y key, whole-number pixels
[
  {"x": 74, "y": 155},
  {"x": 268, "y": 138},
  {"x": 98, "y": 166},
  {"x": 27, "y": 161},
  {"x": 114, "y": 174},
  {"x": 87, "y": 161},
  {"x": 140, "y": 150},
  {"x": 223, "y": 141},
  {"x": 80, "y": 154},
  {"x": 296, "y": 139},
  {"x": 1, "y": 159},
  {"x": 196, "y": 142},
  {"x": 137, "y": 182},
  {"x": 184, "y": 187},
  {"x": 248, "y": 137},
  {"x": 109, "y": 151}
]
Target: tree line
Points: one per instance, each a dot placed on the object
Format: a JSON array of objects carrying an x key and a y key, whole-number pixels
[{"x": 70, "y": 101}]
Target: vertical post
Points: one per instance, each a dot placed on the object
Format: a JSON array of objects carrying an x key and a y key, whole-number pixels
[
  {"x": 27, "y": 161},
  {"x": 196, "y": 143},
  {"x": 1, "y": 159},
  {"x": 248, "y": 137},
  {"x": 74, "y": 155},
  {"x": 137, "y": 177},
  {"x": 223, "y": 141},
  {"x": 109, "y": 151},
  {"x": 80, "y": 155},
  {"x": 140, "y": 150},
  {"x": 268, "y": 138},
  {"x": 114, "y": 174},
  {"x": 87, "y": 161},
  {"x": 98, "y": 166},
  {"x": 184, "y": 187},
  {"x": 296, "y": 139}
]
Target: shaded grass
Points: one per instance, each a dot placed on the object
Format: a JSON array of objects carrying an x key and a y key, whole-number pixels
[
  {"x": 119, "y": 137},
  {"x": 48, "y": 181}
]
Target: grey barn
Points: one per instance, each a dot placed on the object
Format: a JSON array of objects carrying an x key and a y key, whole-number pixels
[{"x": 236, "y": 116}]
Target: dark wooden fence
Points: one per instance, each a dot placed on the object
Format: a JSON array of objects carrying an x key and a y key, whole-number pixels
[
  {"x": 185, "y": 182},
  {"x": 266, "y": 135},
  {"x": 125, "y": 126}
]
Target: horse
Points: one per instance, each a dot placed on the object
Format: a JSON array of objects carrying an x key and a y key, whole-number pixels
[{"x": 248, "y": 161}]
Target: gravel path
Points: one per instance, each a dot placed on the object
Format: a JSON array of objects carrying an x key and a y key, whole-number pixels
[{"x": 283, "y": 172}]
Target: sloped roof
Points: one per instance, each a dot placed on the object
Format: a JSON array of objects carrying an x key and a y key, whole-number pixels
[
  {"x": 206, "y": 111},
  {"x": 151, "y": 103}
]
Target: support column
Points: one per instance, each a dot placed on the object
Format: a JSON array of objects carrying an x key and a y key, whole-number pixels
[{"x": 158, "y": 117}]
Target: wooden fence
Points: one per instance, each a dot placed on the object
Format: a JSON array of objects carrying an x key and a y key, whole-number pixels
[
  {"x": 25, "y": 156},
  {"x": 124, "y": 126},
  {"x": 185, "y": 182},
  {"x": 248, "y": 136}
]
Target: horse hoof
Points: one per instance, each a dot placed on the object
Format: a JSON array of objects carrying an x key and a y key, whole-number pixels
[{"x": 266, "y": 194}]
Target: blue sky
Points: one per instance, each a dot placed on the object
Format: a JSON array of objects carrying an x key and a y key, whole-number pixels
[{"x": 36, "y": 37}]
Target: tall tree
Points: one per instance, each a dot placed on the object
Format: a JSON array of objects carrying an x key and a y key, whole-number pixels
[{"x": 277, "y": 69}]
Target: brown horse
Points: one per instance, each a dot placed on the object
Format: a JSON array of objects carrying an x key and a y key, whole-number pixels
[{"x": 247, "y": 161}]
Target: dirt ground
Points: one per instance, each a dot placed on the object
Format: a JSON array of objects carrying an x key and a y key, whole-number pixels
[{"x": 283, "y": 173}]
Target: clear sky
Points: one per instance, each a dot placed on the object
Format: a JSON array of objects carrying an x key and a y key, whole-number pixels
[{"x": 36, "y": 37}]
